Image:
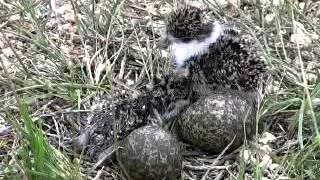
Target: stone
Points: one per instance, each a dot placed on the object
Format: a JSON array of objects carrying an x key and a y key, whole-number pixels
[
  {"x": 211, "y": 123},
  {"x": 150, "y": 153}
]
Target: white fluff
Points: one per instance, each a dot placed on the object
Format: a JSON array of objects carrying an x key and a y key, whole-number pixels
[{"x": 183, "y": 51}]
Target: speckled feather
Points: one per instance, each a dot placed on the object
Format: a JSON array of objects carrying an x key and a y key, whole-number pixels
[
  {"x": 132, "y": 114},
  {"x": 232, "y": 62}
]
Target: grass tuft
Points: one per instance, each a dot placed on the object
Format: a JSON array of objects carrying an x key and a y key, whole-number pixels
[{"x": 37, "y": 158}]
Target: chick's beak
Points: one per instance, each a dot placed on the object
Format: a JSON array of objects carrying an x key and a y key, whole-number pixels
[{"x": 164, "y": 43}]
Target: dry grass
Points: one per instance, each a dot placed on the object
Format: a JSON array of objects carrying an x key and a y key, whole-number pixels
[{"x": 62, "y": 62}]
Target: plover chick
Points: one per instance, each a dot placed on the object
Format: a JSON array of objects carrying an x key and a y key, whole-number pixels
[{"x": 215, "y": 53}]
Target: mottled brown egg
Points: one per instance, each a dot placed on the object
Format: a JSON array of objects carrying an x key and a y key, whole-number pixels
[
  {"x": 150, "y": 153},
  {"x": 214, "y": 120}
]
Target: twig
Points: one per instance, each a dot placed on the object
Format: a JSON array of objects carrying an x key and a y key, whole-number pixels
[
  {"x": 98, "y": 174},
  {"x": 306, "y": 6},
  {"x": 122, "y": 67},
  {"x": 216, "y": 160},
  {"x": 58, "y": 131},
  {"x": 220, "y": 175},
  {"x": 16, "y": 54},
  {"x": 205, "y": 168},
  {"x": 105, "y": 155}
]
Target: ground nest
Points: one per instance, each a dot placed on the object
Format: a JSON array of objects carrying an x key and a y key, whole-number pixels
[
  {"x": 91, "y": 79},
  {"x": 211, "y": 118}
]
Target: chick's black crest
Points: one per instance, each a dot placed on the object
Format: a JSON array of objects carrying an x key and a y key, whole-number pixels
[{"x": 186, "y": 24}]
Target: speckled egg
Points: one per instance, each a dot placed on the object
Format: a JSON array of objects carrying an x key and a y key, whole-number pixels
[
  {"x": 151, "y": 153},
  {"x": 214, "y": 120}
]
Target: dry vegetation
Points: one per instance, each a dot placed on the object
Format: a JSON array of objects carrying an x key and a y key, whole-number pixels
[{"x": 62, "y": 61}]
